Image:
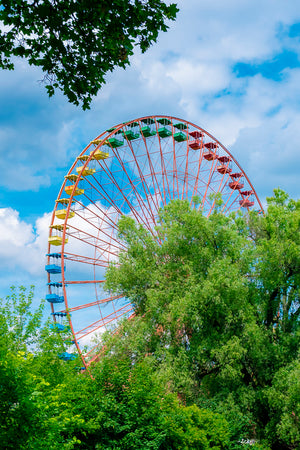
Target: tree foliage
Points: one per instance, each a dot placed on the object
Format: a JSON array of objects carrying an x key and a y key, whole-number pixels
[
  {"x": 28, "y": 366},
  {"x": 217, "y": 305},
  {"x": 210, "y": 361},
  {"x": 76, "y": 43},
  {"x": 47, "y": 403}
]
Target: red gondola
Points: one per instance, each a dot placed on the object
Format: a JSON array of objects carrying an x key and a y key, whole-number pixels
[
  {"x": 209, "y": 156},
  {"x": 224, "y": 169},
  {"x": 247, "y": 193},
  {"x": 236, "y": 185},
  {"x": 246, "y": 203},
  {"x": 196, "y": 134},
  {"x": 211, "y": 145},
  {"x": 224, "y": 159},
  {"x": 236, "y": 175},
  {"x": 196, "y": 144}
]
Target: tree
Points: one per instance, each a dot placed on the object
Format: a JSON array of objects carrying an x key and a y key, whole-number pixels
[
  {"x": 47, "y": 403},
  {"x": 217, "y": 305},
  {"x": 284, "y": 403},
  {"x": 136, "y": 409},
  {"x": 17, "y": 326},
  {"x": 77, "y": 42},
  {"x": 30, "y": 371}
]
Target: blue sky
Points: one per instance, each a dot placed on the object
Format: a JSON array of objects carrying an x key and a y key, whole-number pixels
[{"x": 232, "y": 67}]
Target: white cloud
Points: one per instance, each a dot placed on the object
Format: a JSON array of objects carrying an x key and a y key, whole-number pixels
[
  {"x": 22, "y": 247},
  {"x": 188, "y": 74},
  {"x": 13, "y": 231},
  {"x": 196, "y": 77}
]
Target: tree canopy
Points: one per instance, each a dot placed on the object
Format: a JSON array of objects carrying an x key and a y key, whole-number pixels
[
  {"x": 76, "y": 43},
  {"x": 47, "y": 403},
  {"x": 210, "y": 360},
  {"x": 217, "y": 306}
]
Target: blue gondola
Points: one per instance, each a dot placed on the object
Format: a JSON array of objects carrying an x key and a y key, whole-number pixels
[
  {"x": 53, "y": 266},
  {"x": 56, "y": 295},
  {"x": 55, "y": 298}
]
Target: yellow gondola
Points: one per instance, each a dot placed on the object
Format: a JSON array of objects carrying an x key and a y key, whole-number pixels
[
  {"x": 100, "y": 154},
  {"x": 71, "y": 177},
  {"x": 62, "y": 214},
  {"x": 77, "y": 191},
  {"x": 82, "y": 158},
  {"x": 57, "y": 239},
  {"x": 99, "y": 141},
  {"x": 87, "y": 171}
]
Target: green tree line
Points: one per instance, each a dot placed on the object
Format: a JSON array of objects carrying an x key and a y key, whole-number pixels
[{"x": 210, "y": 361}]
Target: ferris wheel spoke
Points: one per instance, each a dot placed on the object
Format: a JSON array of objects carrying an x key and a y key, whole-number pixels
[
  {"x": 156, "y": 185},
  {"x": 100, "y": 348},
  {"x": 125, "y": 200},
  {"x": 233, "y": 195},
  {"x": 130, "y": 206},
  {"x": 92, "y": 242},
  {"x": 231, "y": 206},
  {"x": 195, "y": 190},
  {"x": 219, "y": 189},
  {"x": 86, "y": 260},
  {"x": 146, "y": 188},
  {"x": 89, "y": 236},
  {"x": 103, "y": 195},
  {"x": 137, "y": 194},
  {"x": 94, "y": 356},
  {"x": 104, "y": 254},
  {"x": 83, "y": 282},
  {"x": 212, "y": 171},
  {"x": 111, "y": 223},
  {"x": 88, "y": 305},
  {"x": 98, "y": 227},
  {"x": 237, "y": 192},
  {"x": 163, "y": 170},
  {"x": 103, "y": 321},
  {"x": 185, "y": 179},
  {"x": 83, "y": 235}
]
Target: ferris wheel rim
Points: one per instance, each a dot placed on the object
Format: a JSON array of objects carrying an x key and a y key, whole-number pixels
[{"x": 102, "y": 137}]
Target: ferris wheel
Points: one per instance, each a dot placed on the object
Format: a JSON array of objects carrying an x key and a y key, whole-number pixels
[{"x": 133, "y": 169}]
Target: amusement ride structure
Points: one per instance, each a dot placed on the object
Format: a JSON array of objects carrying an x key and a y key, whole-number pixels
[{"x": 133, "y": 169}]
